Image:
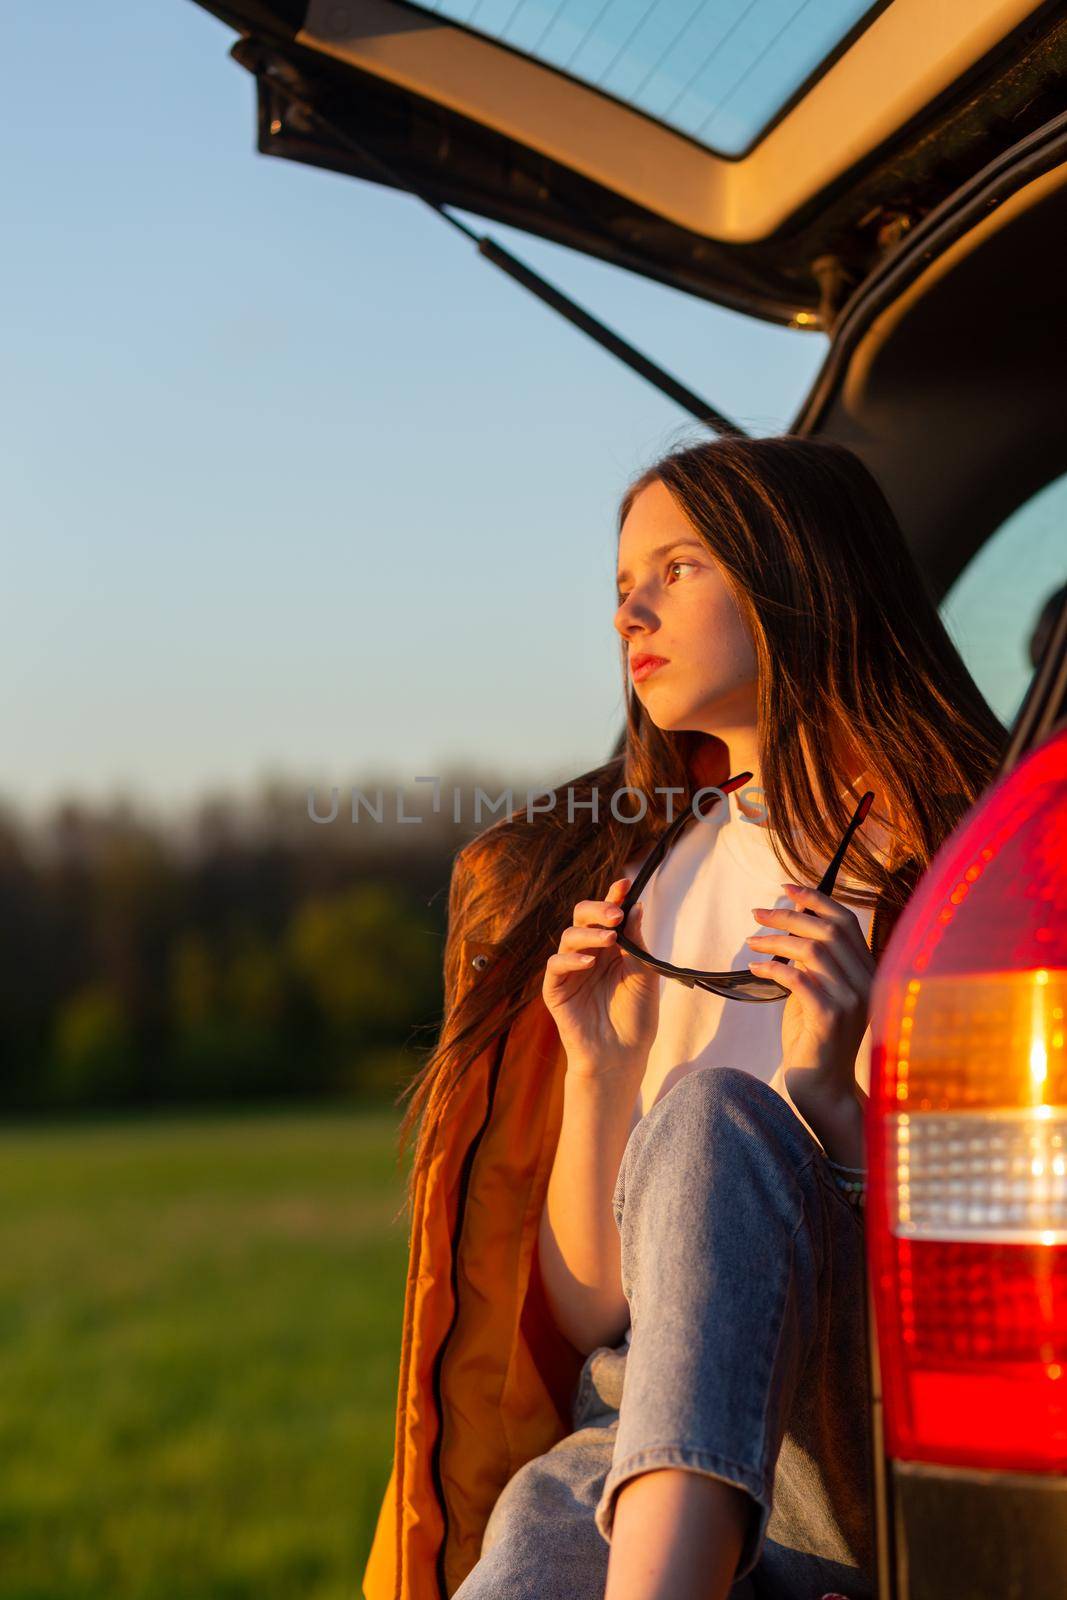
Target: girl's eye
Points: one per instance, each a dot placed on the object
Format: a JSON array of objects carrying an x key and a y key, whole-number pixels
[{"x": 620, "y": 597}]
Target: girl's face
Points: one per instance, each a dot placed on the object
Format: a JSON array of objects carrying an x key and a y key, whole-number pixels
[{"x": 674, "y": 605}]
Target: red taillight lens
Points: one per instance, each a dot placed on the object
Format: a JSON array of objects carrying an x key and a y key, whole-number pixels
[{"x": 967, "y": 1139}]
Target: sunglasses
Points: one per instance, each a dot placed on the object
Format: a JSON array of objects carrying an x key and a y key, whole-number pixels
[{"x": 737, "y": 984}]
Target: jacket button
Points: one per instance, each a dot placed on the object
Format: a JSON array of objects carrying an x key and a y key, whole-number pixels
[{"x": 479, "y": 963}]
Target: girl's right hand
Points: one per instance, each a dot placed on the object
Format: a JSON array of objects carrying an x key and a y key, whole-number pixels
[{"x": 605, "y": 1001}]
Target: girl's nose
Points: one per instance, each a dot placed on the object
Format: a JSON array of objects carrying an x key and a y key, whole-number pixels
[{"x": 631, "y": 616}]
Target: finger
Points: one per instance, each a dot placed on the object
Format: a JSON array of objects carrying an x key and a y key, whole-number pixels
[
  {"x": 817, "y": 903},
  {"x": 827, "y": 995},
  {"x": 558, "y": 967},
  {"x": 594, "y": 913},
  {"x": 815, "y": 923},
  {"x": 586, "y": 938},
  {"x": 801, "y": 983},
  {"x": 841, "y": 925},
  {"x": 828, "y": 918},
  {"x": 831, "y": 957},
  {"x": 821, "y": 960}
]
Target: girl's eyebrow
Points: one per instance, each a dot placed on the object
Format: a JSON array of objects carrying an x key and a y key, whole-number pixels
[{"x": 661, "y": 550}]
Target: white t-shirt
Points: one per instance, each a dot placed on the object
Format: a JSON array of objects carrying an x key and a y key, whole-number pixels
[{"x": 698, "y": 913}]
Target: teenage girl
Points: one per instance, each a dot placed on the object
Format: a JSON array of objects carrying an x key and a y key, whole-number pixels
[{"x": 700, "y": 1233}]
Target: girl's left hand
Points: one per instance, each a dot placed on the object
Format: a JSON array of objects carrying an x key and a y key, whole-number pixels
[{"x": 825, "y": 1016}]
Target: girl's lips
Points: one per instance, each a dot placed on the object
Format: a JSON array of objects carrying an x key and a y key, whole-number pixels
[{"x": 649, "y": 665}]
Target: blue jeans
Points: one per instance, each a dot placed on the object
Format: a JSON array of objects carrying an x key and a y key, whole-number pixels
[{"x": 743, "y": 1266}]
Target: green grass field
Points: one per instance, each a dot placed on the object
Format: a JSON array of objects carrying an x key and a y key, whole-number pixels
[{"x": 199, "y": 1336}]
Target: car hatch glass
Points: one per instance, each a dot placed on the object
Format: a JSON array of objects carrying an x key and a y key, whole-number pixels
[{"x": 719, "y": 71}]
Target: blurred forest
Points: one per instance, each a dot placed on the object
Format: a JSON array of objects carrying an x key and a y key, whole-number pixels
[{"x": 242, "y": 951}]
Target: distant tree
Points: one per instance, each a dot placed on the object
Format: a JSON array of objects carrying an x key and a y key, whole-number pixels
[
  {"x": 228, "y": 1019},
  {"x": 93, "y": 1060},
  {"x": 371, "y": 966}
]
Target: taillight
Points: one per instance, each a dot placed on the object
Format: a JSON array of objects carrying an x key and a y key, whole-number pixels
[{"x": 967, "y": 1139}]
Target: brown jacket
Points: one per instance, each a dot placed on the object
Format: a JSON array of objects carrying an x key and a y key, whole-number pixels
[{"x": 486, "y": 1378}]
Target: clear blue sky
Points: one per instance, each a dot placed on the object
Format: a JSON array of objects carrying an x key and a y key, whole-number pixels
[{"x": 296, "y": 483}]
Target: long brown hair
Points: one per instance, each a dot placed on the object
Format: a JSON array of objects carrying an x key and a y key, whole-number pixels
[{"x": 851, "y": 655}]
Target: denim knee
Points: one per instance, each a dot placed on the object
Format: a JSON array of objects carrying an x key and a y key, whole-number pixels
[{"x": 713, "y": 1114}]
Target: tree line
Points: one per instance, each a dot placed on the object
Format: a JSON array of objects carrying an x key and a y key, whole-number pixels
[{"x": 249, "y": 954}]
